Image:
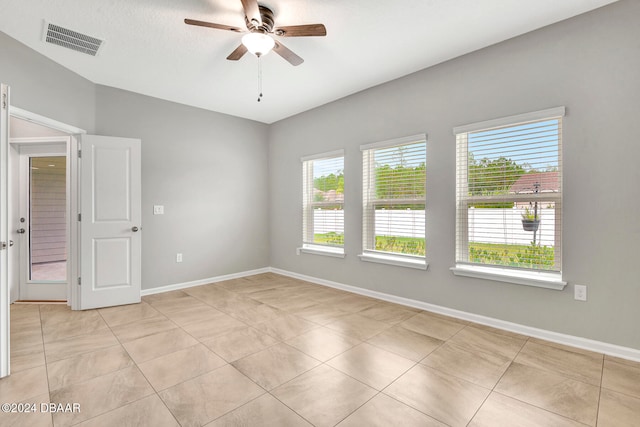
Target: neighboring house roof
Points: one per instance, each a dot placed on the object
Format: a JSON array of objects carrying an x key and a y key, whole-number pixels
[
  {"x": 547, "y": 182},
  {"x": 330, "y": 196}
]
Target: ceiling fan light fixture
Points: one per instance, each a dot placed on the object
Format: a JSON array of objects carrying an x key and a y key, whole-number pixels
[{"x": 258, "y": 43}]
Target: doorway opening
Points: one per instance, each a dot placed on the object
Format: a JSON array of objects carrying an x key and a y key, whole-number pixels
[
  {"x": 39, "y": 220},
  {"x": 43, "y": 225}
]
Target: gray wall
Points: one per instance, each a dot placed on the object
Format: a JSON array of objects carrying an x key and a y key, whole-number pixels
[
  {"x": 206, "y": 167},
  {"x": 209, "y": 171},
  {"x": 588, "y": 64},
  {"x": 41, "y": 86}
]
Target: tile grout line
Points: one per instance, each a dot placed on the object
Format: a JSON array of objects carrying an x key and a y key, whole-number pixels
[
  {"x": 250, "y": 379},
  {"x": 493, "y": 389},
  {"x": 231, "y": 363},
  {"x": 321, "y": 363},
  {"x": 141, "y": 372},
  {"x": 528, "y": 403},
  {"x": 46, "y": 364},
  {"x": 80, "y": 355},
  {"x": 406, "y": 404},
  {"x": 287, "y": 311},
  {"x": 624, "y": 393},
  {"x": 600, "y": 390}
]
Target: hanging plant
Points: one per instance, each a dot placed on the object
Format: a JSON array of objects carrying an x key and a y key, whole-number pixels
[{"x": 530, "y": 220}]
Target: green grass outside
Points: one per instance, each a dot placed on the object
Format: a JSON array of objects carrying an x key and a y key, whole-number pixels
[
  {"x": 404, "y": 245},
  {"x": 527, "y": 256},
  {"x": 493, "y": 247},
  {"x": 329, "y": 238}
]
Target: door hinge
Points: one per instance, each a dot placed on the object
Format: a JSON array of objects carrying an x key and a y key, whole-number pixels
[
  {"x": 79, "y": 154},
  {"x": 79, "y": 217},
  {"x": 4, "y": 101},
  {"x": 79, "y": 280}
]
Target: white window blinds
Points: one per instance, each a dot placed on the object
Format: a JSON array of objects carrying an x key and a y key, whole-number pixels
[
  {"x": 323, "y": 200},
  {"x": 509, "y": 192},
  {"x": 394, "y": 181}
]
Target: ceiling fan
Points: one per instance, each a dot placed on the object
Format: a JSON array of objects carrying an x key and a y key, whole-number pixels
[{"x": 260, "y": 26}]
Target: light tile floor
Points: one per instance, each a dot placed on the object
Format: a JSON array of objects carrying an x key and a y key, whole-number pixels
[
  {"x": 49, "y": 271},
  {"x": 268, "y": 350}
]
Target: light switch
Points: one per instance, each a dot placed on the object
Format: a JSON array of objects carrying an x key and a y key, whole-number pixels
[{"x": 158, "y": 209}]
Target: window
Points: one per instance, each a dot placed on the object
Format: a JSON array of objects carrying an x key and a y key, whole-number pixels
[
  {"x": 323, "y": 204},
  {"x": 509, "y": 196},
  {"x": 394, "y": 181}
]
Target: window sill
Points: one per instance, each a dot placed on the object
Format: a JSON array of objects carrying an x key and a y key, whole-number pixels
[
  {"x": 399, "y": 261},
  {"x": 546, "y": 280},
  {"x": 322, "y": 250}
]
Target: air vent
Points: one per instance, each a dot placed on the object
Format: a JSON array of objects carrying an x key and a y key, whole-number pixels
[{"x": 70, "y": 39}]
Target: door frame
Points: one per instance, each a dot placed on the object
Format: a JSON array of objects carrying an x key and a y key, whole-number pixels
[
  {"x": 28, "y": 148},
  {"x": 73, "y": 297},
  {"x": 5, "y": 318}
]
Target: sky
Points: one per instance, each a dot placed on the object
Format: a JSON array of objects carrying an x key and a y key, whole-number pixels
[
  {"x": 325, "y": 167},
  {"x": 532, "y": 144},
  {"x": 411, "y": 155}
]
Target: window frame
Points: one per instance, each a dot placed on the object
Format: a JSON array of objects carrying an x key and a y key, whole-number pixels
[
  {"x": 309, "y": 206},
  {"x": 369, "y": 203},
  {"x": 518, "y": 275}
]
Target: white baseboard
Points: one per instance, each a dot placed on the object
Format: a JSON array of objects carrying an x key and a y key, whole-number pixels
[
  {"x": 200, "y": 282},
  {"x": 570, "y": 340}
]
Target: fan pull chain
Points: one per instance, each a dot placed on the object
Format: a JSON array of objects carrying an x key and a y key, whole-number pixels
[{"x": 259, "y": 79}]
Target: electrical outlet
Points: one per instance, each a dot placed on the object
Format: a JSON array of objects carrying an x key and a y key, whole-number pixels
[
  {"x": 178, "y": 257},
  {"x": 580, "y": 292}
]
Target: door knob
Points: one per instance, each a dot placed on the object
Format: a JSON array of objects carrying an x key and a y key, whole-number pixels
[
  {"x": 21, "y": 231},
  {"x": 134, "y": 229}
]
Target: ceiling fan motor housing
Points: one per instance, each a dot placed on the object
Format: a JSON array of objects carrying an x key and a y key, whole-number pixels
[
  {"x": 266, "y": 15},
  {"x": 260, "y": 24}
]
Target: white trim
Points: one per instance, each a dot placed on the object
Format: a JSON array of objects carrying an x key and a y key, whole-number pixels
[
  {"x": 321, "y": 250},
  {"x": 73, "y": 299},
  {"x": 44, "y": 121},
  {"x": 5, "y": 295},
  {"x": 570, "y": 340},
  {"x": 33, "y": 148},
  {"x": 327, "y": 155},
  {"x": 398, "y": 261},
  {"x": 549, "y": 113},
  {"x": 39, "y": 141},
  {"x": 200, "y": 282},
  {"x": 539, "y": 279},
  {"x": 421, "y": 137}
]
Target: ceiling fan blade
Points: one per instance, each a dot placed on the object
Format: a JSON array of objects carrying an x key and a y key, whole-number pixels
[
  {"x": 252, "y": 11},
  {"x": 287, "y": 54},
  {"x": 237, "y": 53},
  {"x": 301, "y": 30},
  {"x": 212, "y": 25}
]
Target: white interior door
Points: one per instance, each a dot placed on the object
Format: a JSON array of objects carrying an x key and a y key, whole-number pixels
[
  {"x": 4, "y": 235},
  {"x": 110, "y": 222}
]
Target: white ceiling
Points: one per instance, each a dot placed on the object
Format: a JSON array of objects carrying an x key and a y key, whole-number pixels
[{"x": 150, "y": 50}]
